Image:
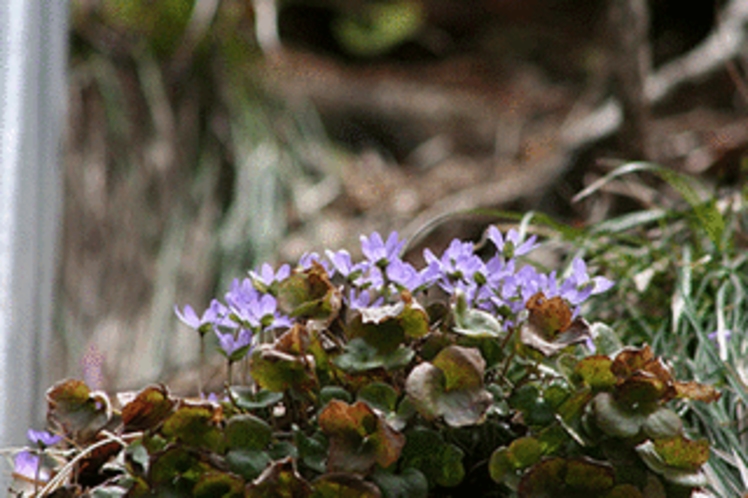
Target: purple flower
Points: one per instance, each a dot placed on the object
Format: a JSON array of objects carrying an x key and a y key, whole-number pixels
[
  {"x": 457, "y": 262},
  {"x": 360, "y": 300},
  {"x": 714, "y": 336},
  {"x": 43, "y": 438},
  {"x": 341, "y": 262},
  {"x": 267, "y": 315},
  {"x": 254, "y": 309},
  {"x": 214, "y": 397},
  {"x": 404, "y": 275},
  {"x": 216, "y": 314},
  {"x": 371, "y": 279},
  {"x": 511, "y": 246},
  {"x": 267, "y": 276},
  {"x": 235, "y": 345},
  {"x": 579, "y": 286},
  {"x": 379, "y": 252},
  {"x": 27, "y": 465}
]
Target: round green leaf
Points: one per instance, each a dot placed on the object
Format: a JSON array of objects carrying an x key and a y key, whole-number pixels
[
  {"x": 613, "y": 420},
  {"x": 343, "y": 486},
  {"x": 328, "y": 393},
  {"x": 595, "y": 371},
  {"x": 247, "y": 463},
  {"x": 439, "y": 461},
  {"x": 217, "y": 484},
  {"x": 248, "y": 432},
  {"x": 247, "y": 399},
  {"x": 524, "y": 451},
  {"x": 663, "y": 423},
  {"x": 500, "y": 465},
  {"x": 194, "y": 425},
  {"x": 379, "y": 395},
  {"x": 410, "y": 483}
]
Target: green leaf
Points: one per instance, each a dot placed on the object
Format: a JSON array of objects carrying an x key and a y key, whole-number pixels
[
  {"x": 499, "y": 466},
  {"x": 682, "y": 453},
  {"x": 439, "y": 461},
  {"x": 554, "y": 437},
  {"x": 312, "y": 450},
  {"x": 691, "y": 478},
  {"x": 328, "y": 393},
  {"x": 524, "y": 451},
  {"x": 451, "y": 387},
  {"x": 536, "y": 411},
  {"x": 606, "y": 339},
  {"x": 379, "y": 27},
  {"x": 248, "y": 432},
  {"x": 491, "y": 350},
  {"x": 588, "y": 476},
  {"x": 595, "y": 371},
  {"x": 283, "y": 449},
  {"x": 343, "y": 486},
  {"x": 309, "y": 294},
  {"x": 195, "y": 425},
  {"x": 624, "y": 491},
  {"x": 576, "y": 477},
  {"x": 174, "y": 464},
  {"x": 379, "y": 395},
  {"x": 247, "y": 399},
  {"x": 279, "y": 480},
  {"x": 247, "y": 463},
  {"x": 137, "y": 453},
  {"x": 410, "y": 483},
  {"x": 78, "y": 411},
  {"x": 218, "y": 484},
  {"x": 463, "y": 368},
  {"x": 414, "y": 320},
  {"x": 433, "y": 343},
  {"x": 613, "y": 419},
  {"x": 360, "y": 356},
  {"x": 475, "y": 322},
  {"x": 386, "y": 328},
  {"x": 425, "y": 384},
  {"x": 278, "y": 371},
  {"x": 358, "y": 437},
  {"x": 663, "y": 423}
]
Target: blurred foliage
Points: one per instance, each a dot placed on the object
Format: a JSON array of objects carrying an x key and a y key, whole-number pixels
[{"x": 180, "y": 168}]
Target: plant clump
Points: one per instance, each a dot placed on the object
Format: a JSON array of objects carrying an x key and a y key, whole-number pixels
[{"x": 374, "y": 378}]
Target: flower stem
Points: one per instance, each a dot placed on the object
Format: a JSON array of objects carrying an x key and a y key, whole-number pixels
[{"x": 201, "y": 366}]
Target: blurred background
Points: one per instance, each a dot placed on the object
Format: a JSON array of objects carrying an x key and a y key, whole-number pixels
[{"x": 206, "y": 137}]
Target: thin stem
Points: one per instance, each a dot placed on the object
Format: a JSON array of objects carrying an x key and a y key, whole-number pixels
[
  {"x": 37, "y": 472},
  {"x": 201, "y": 366},
  {"x": 57, "y": 480}
]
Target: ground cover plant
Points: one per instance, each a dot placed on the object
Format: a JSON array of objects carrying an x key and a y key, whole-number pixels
[
  {"x": 681, "y": 269},
  {"x": 475, "y": 373}
]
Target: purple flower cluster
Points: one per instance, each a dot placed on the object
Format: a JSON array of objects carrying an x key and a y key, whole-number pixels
[
  {"x": 499, "y": 284},
  {"x": 27, "y": 463},
  {"x": 249, "y": 309}
]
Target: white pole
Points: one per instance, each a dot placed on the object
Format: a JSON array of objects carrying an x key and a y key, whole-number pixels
[{"x": 33, "y": 56}]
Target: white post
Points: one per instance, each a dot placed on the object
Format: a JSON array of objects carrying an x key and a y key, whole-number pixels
[{"x": 33, "y": 56}]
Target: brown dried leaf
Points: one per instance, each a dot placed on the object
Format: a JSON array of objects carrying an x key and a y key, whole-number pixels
[
  {"x": 149, "y": 408},
  {"x": 699, "y": 392}
]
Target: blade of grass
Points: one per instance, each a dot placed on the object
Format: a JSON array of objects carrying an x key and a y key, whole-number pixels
[{"x": 706, "y": 212}]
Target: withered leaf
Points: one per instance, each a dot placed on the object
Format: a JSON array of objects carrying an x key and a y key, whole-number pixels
[{"x": 149, "y": 408}]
